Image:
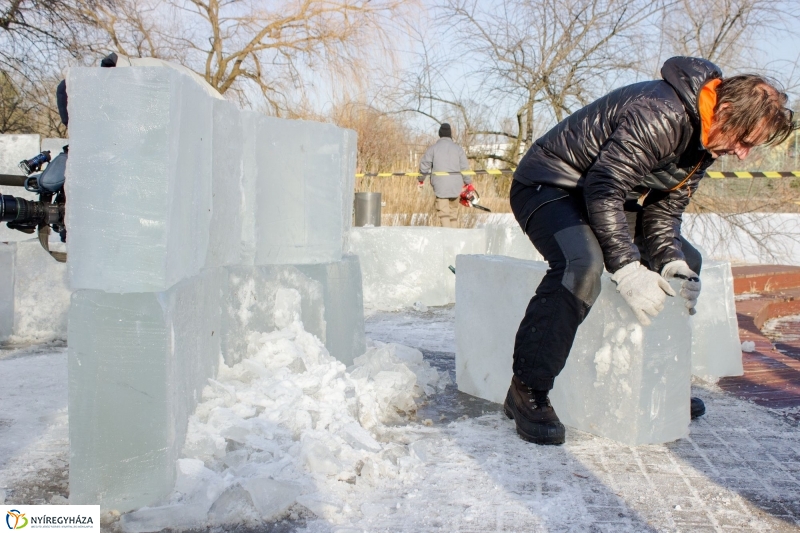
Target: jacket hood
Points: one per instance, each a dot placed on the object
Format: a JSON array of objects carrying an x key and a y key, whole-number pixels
[{"x": 687, "y": 75}]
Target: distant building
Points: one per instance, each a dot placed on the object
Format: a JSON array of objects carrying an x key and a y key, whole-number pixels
[{"x": 483, "y": 151}]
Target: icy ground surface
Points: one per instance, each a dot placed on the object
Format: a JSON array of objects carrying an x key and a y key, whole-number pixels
[{"x": 467, "y": 470}]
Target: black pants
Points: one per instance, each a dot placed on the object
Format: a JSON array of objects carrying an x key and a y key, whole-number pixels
[{"x": 555, "y": 220}]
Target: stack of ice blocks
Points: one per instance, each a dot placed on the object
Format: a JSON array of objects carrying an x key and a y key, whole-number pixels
[
  {"x": 405, "y": 265},
  {"x": 622, "y": 381},
  {"x": 716, "y": 348},
  {"x": 185, "y": 216}
]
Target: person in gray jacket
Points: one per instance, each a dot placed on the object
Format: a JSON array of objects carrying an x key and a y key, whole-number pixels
[{"x": 445, "y": 156}]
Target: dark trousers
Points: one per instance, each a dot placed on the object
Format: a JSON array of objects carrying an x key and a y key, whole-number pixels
[{"x": 555, "y": 221}]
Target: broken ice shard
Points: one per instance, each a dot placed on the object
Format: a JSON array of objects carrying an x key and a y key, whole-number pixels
[
  {"x": 716, "y": 348},
  {"x": 621, "y": 381}
]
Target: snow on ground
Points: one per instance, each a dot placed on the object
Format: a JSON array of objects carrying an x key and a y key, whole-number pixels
[
  {"x": 455, "y": 465},
  {"x": 781, "y": 330},
  {"x": 34, "y": 440}
]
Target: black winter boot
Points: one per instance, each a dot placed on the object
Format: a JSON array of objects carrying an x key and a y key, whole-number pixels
[
  {"x": 698, "y": 408},
  {"x": 536, "y": 419}
]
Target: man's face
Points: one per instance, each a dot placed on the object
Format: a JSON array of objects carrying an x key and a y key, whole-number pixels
[{"x": 733, "y": 143}]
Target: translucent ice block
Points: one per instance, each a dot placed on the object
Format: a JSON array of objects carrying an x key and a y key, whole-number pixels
[
  {"x": 41, "y": 294},
  {"x": 248, "y": 304},
  {"x": 716, "y": 348},
  {"x": 404, "y": 265},
  {"x": 13, "y": 149},
  {"x": 7, "y": 255},
  {"x": 622, "y": 381},
  {"x": 510, "y": 241},
  {"x": 344, "y": 306},
  {"x": 34, "y": 294},
  {"x": 138, "y": 178},
  {"x": 331, "y": 305},
  {"x": 300, "y": 191},
  {"x": 230, "y": 188},
  {"x": 54, "y": 144},
  {"x": 137, "y": 365}
]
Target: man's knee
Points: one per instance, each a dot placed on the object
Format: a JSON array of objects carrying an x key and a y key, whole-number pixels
[{"x": 584, "y": 262}]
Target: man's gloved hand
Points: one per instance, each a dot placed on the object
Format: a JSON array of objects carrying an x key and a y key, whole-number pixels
[
  {"x": 420, "y": 184},
  {"x": 644, "y": 290},
  {"x": 690, "y": 287}
]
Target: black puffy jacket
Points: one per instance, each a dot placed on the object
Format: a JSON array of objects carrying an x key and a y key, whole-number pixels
[{"x": 643, "y": 139}]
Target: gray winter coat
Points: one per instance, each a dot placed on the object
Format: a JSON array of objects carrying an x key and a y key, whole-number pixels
[{"x": 445, "y": 156}]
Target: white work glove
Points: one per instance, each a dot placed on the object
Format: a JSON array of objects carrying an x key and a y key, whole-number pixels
[
  {"x": 420, "y": 184},
  {"x": 690, "y": 287},
  {"x": 644, "y": 290}
]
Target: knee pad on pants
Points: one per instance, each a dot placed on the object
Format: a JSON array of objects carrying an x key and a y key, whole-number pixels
[{"x": 584, "y": 262}]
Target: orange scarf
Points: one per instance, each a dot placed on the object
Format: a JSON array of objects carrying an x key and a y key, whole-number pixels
[{"x": 706, "y": 101}]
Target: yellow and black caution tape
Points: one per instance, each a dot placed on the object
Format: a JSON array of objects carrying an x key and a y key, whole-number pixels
[
  {"x": 748, "y": 175},
  {"x": 491, "y": 171},
  {"x": 499, "y": 172}
]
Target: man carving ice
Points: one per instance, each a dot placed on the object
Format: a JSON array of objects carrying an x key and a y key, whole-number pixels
[{"x": 607, "y": 187}]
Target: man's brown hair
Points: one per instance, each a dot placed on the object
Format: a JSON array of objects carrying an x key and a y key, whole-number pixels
[{"x": 753, "y": 102}]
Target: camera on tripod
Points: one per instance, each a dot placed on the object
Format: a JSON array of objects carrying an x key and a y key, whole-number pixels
[{"x": 29, "y": 216}]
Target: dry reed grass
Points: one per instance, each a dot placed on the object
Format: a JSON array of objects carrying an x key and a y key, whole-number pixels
[{"x": 405, "y": 205}]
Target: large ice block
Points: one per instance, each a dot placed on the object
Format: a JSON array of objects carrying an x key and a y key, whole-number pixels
[
  {"x": 138, "y": 178},
  {"x": 137, "y": 365},
  {"x": 300, "y": 212},
  {"x": 344, "y": 306},
  {"x": 510, "y": 241},
  {"x": 13, "y": 149},
  {"x": 231, "y": 187},
  {"x": 622, "y": 381},
  {"x": 404, "y": 265},
  {"x": 331, "y": 305},
  {"x": 716, "y": 348}
]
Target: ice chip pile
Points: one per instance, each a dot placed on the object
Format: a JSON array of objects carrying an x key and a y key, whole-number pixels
[{"x": 289, "y": 424}]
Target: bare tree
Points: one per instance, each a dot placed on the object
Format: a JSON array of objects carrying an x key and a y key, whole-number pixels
[
  {"x": 726, "y": 31},
  {"x": 270, "y": 50},
  {"x": 386, "y": 143},
  {"x": 33, "y": 33},
  {"x": 541, "y": 59}
]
